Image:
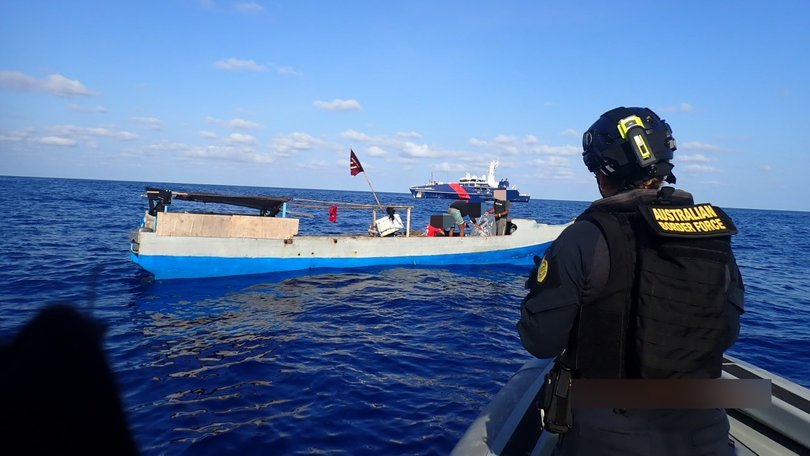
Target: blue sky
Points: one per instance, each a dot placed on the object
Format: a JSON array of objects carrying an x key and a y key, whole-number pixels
[{"x": 275, "y": 93}]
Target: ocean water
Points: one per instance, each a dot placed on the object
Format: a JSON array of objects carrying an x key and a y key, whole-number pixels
[{"x": 369, "y": 361}]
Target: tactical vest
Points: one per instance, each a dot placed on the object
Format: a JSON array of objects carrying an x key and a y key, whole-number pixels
[{"x": 662, "y": 311}]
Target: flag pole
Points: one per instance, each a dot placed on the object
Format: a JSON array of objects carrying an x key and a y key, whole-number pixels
[
  {"x": 355, "y": 168},
  {"x": 372, "y": 190}
]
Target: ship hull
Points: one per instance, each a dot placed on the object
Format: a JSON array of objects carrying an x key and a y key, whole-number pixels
[{"x": 458, "y": 191}]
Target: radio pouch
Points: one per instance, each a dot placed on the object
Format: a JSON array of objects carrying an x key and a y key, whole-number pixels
[{"x": 555, "y": 412}]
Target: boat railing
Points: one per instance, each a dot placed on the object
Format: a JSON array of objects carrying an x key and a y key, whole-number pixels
[
  {"x": 300, "y": 202},
  {"x": 272, "y": 206}
]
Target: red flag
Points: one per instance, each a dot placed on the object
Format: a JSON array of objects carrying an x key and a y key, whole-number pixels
[
  {"x": 354, "y": 165},
  {"x": 333, "y": 214}
]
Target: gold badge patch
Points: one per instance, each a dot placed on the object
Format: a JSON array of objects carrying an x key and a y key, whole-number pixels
[
  {"x": 700, "y": 220},
  {"x": 542, "y": 271}
]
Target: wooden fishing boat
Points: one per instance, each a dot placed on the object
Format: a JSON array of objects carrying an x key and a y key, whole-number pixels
[
  {"x": 174, "y": 245},
  {"x": 510, "y": 423}
]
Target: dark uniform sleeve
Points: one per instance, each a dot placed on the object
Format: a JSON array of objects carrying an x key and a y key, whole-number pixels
[{"x": 557, "y": 286}]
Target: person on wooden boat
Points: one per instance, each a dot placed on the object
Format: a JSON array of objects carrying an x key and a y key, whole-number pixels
[
  {"x": 643, "y": 285},
  {"x": 460, "y": 209},
  {"x": 500, "y": 209}
]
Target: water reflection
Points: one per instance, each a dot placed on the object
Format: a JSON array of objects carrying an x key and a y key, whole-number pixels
[{"x": 240, "y": 355}]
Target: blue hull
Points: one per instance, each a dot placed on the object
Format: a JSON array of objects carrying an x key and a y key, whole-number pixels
[{"x": 176, "y": 267}]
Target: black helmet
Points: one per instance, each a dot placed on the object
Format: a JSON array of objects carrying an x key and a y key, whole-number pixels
[{"x": 630, "y": 145}]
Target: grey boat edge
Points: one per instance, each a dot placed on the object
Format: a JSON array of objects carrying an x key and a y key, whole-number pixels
[{"x": 509, "y": 424}]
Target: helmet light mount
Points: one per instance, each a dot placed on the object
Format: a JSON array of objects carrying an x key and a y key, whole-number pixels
[{"x": 633, "y": 131}]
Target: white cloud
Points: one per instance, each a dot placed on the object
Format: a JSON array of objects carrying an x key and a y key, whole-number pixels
[
  {"x": 241, "y": 123},
  {"x": 356, "y": 135},
  {"x": 249, "y": 7},
  {"x": 225, "y": 153},
  {"x": 408, "y": 134},
  {"x": 314, "y": 164},
  {"x": 529, "y": 144},
  {"x": 233, "y": 64},
  {"x": 286, "y": 71},
  {"x": 384, "y": 146},
  {"x": 66, "y": 135},
  {"x": 60, "y": 85},
  {"x": 399, "y": 142},
  {"x": 239, "y": 148},
  {"x": 700, "y": 169},
  {"x": 556, "y": 161},
  {"x": 16, "y": 135},
  {"x": 450, "y": 167},
  {"x": 228, "y": 153},
  {"x": 207, "y": 134},
  {"x": 375, "y": 151},
  {"x": 501, "y": 144},
  {"x": 85, "y": 132},
  {"x": 553, "y": 168},
  {"x": 234, "y": 124},
  {"x": 166, "y": 146},
  {"x": 338, "y": 105},
  {"x": 55, "y": 84},
  {"x": 699, "y": 158},
  {"x": 766, "y": 168},
  {"x": 57, "y": 141},
  {"x": 239, "y": 138},
  {"x": 152, "y": 123},
  {"x": 557, "y": 150},
  {"x": 570, "y": 132},
  {"x": 410, "y": 149},
  {"x": 295, "y": 142}
]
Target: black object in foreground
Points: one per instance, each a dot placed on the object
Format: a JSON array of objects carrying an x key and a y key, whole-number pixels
[{"x": 57, "y": 392}]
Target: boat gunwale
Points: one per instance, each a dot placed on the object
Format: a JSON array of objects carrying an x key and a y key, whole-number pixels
[{"x": 782, "y": 423}]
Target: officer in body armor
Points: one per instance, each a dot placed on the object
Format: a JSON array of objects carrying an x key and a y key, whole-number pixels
[{"x": 643, "y": 285}]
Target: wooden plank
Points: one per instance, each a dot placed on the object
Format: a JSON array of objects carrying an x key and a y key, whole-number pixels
[{"x": 225, "y": 225}]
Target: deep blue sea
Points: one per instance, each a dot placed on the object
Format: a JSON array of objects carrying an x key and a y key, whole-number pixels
[{"x": 371, "y": 361}]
